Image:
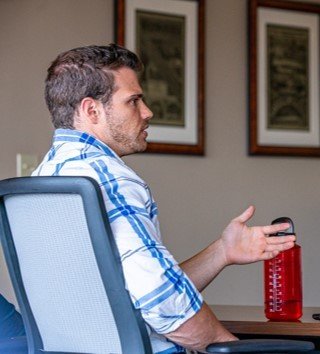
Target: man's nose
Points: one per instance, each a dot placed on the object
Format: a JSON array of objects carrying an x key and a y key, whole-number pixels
[{"x": 146, "y": 112}]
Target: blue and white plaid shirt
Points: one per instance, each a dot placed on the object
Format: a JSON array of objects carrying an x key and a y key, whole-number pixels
[{"x": 157, "y": 285}]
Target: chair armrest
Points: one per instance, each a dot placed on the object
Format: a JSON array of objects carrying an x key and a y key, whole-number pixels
[{"x": 261, "y": 346}]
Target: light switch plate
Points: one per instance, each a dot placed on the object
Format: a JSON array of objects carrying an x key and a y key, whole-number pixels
[{"x": 26, "y": 164}]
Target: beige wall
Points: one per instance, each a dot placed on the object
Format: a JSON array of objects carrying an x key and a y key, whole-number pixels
[{"x": 197, "y": 196}]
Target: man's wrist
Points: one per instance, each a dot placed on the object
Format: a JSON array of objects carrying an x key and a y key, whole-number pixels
[{"x": 219, "y": 253}]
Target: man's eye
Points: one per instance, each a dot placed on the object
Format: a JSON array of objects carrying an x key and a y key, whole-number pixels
[{"x": 134, "y": 101}]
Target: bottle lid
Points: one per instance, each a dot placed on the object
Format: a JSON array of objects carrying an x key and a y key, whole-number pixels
[{"x": 289, "y": 231}]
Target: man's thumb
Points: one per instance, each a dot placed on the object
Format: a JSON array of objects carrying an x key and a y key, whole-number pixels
[{"x": 246, "y": 215}]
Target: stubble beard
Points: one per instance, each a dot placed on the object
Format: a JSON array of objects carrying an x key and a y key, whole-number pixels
[
  {"x": 128, "y": 146},
  {"x": 125, "y": 143}
]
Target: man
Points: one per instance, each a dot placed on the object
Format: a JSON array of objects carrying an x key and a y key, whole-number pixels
[
  {"x": 11, "y": 324},
  {"x": 96, "y": 104}
]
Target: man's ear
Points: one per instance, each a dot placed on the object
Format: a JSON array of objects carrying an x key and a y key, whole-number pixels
[{"x": 89, "y": 108}]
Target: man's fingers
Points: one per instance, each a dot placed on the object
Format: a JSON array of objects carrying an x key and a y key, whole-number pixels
[
  {"x": 279, "y": 247},
  {"x": 272, "y": 229},
  {"x": 272, "y": 251},
  {"x": 277, "y": 240},
  {"x": 269, "y": 255}
]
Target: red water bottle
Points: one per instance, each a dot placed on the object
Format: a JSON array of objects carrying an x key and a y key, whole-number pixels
[{"x": 283, "y": 281}]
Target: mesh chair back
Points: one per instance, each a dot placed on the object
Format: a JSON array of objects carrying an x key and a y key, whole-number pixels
[{"x": 72, "y": 284}]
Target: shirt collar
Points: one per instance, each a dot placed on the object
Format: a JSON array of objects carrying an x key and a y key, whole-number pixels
[{"x": 70, "y": 135}]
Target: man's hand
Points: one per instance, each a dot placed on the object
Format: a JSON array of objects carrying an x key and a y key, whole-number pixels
[
  {"x": 239, "y": 244},
  {"x": 242, "y": 244}
]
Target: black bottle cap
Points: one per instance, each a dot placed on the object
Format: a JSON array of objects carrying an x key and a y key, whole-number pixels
[{"x": 289, "y": 231}]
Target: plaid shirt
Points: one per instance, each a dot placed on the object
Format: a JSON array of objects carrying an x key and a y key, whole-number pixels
[{"x": 157, "y": 285}]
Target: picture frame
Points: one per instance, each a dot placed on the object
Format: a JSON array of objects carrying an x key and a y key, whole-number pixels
[
  {"x": 168, "y": 36},
  {"x": 284, "y": 116}
]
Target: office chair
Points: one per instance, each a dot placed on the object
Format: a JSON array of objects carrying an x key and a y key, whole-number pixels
[{"x": 67, "y": 275}]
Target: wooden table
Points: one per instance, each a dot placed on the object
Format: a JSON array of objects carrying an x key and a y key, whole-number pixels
[{"x": 250, "y": 320}]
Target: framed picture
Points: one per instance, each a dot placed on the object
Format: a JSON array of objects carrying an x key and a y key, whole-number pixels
[
  {"x": 168, "y": 36},
  {"x": 284, "y": 78}
]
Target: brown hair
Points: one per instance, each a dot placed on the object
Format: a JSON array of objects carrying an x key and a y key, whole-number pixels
[{"x": 84, "y": 72}]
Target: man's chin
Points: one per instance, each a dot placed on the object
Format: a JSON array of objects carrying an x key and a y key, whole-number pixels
[
  {"x": 138, "y": 148},
  {"x": 143, "y": 147}
]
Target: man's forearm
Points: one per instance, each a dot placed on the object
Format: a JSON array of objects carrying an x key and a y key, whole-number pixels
[
  {"x": 201, "y": 330},
  {"x": 205, "y": 266}
]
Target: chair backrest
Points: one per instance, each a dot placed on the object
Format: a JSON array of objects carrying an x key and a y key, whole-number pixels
[{"x": 65, "y": 268}]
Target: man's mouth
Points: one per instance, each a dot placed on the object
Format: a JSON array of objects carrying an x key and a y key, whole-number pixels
[{"x": 144, "y": 131}]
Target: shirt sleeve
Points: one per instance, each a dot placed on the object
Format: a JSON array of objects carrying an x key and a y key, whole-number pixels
[{"x": 158, "y": 287}]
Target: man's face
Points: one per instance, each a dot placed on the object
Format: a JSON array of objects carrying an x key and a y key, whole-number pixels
[{"x": 126, "y": 115}]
